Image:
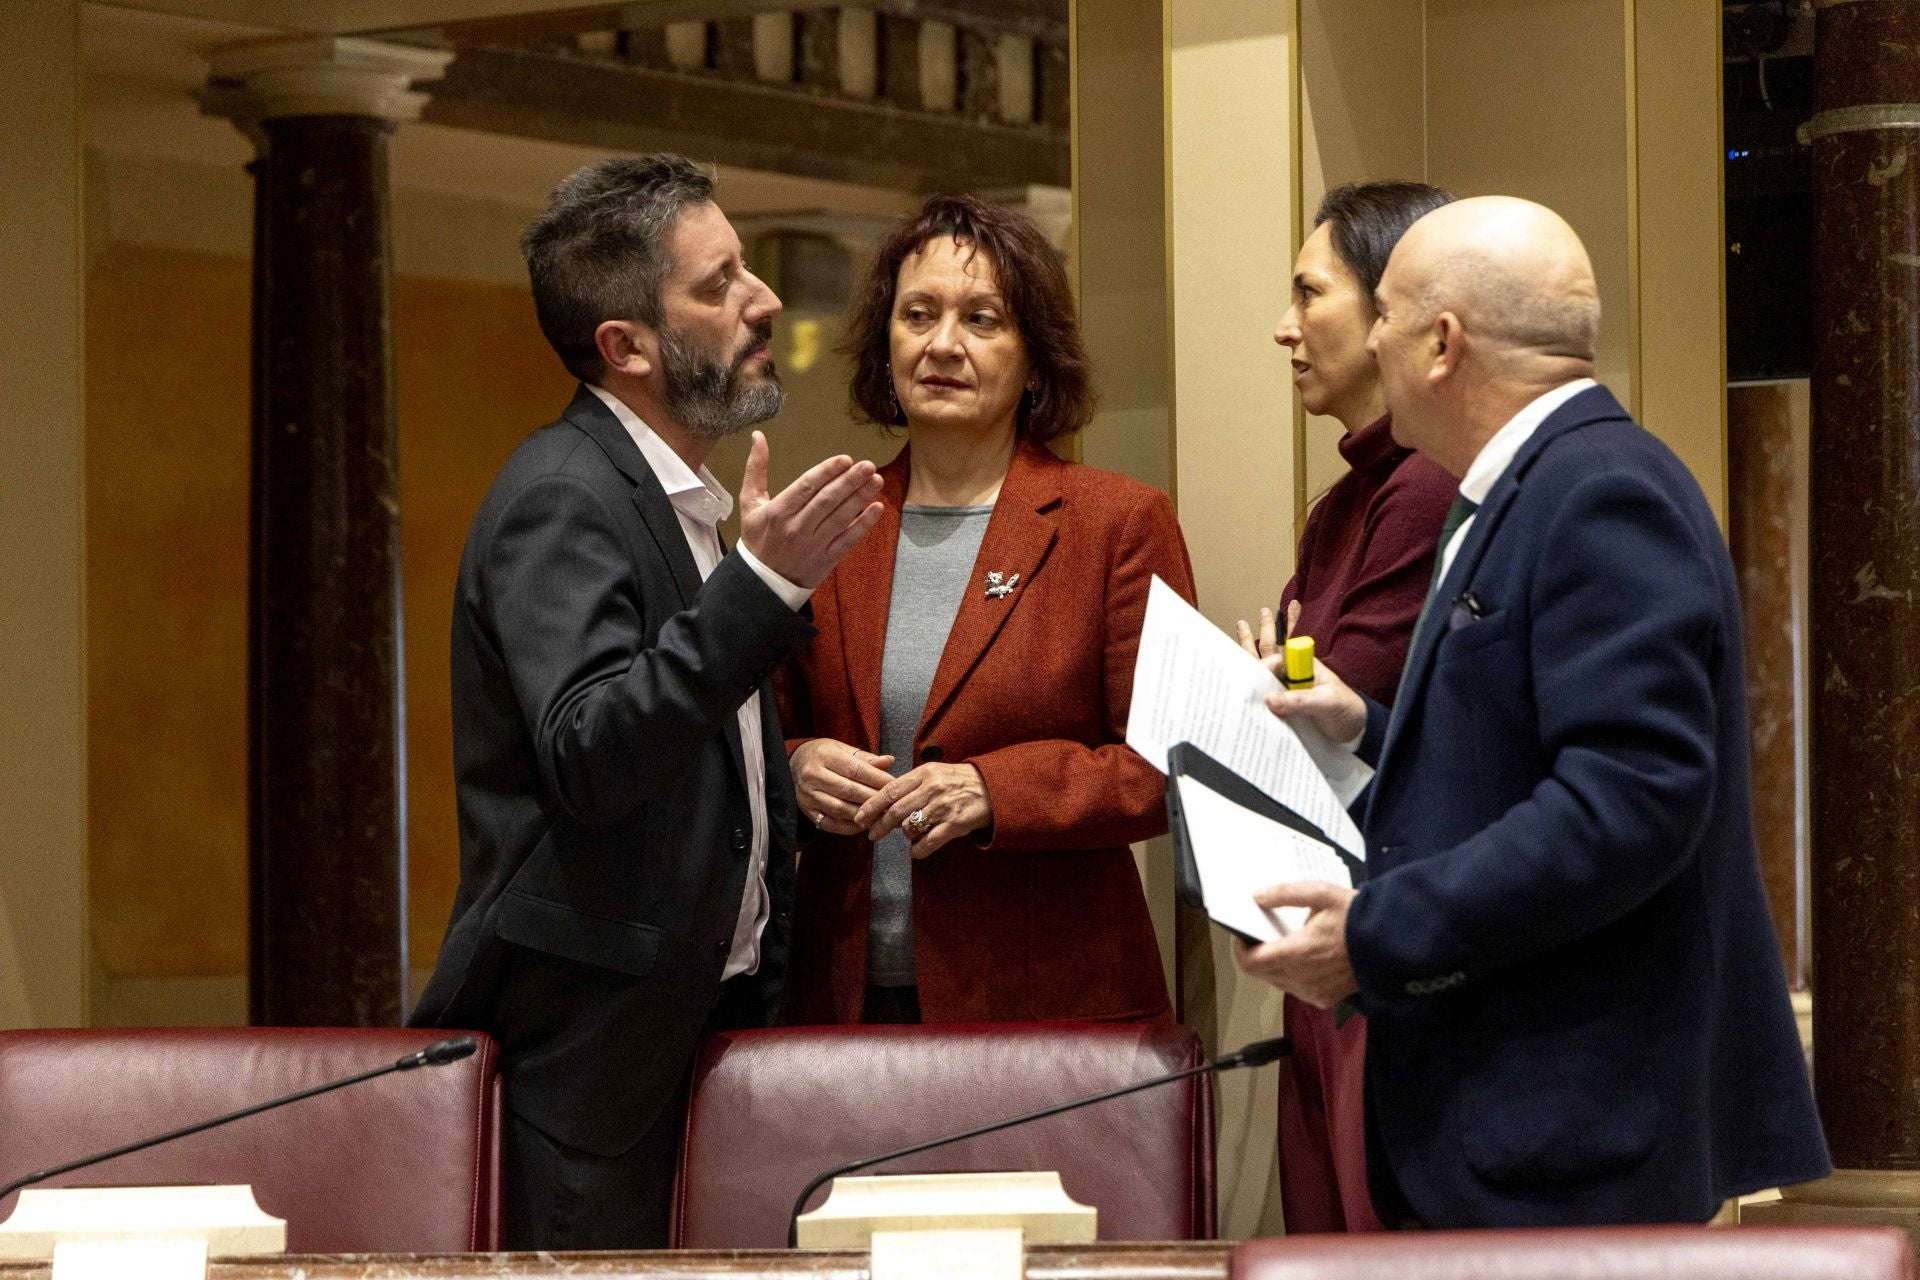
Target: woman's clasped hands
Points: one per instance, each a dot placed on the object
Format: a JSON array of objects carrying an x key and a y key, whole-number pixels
[{"x": 847, "y": 791}]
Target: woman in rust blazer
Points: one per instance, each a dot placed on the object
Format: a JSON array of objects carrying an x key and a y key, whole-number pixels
[{"x": 958, "y": 722}]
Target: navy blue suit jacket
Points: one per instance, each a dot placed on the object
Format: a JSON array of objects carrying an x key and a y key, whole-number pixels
[{"x": 1577, "y": 1012}]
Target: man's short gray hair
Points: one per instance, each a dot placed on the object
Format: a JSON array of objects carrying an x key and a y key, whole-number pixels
[{"x": 599, "y": 253}]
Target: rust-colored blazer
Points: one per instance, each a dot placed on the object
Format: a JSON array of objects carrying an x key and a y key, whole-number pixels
[{"x": 1047, "y": 921}]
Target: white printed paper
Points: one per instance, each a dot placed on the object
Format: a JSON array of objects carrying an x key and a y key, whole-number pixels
[
  {"x": 1192, "y": 683},
  {"x": 1239, "y": 852}
]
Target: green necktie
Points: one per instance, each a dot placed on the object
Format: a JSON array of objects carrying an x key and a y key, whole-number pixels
[{"x": 1458, "y": 514}]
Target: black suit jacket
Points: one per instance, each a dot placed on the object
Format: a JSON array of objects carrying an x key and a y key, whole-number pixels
[
  {"x": 604, "y": 822},
  {"x": 1576, "y": 1007}
]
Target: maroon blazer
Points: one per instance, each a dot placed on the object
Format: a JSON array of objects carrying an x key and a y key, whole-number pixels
[{"x": 1048, "y": 920}]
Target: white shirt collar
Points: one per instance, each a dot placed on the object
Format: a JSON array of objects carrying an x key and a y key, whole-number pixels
[
  {"x": 1498, "y": 453},
  {"x": 697, "y": 496}
]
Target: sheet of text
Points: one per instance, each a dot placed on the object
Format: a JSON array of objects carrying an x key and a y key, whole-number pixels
[{"x": 1192, "y": 683}]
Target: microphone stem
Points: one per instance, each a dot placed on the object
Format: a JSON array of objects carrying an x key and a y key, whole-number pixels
[
  {"x": 1224, "y": 1063},
  {"x": 214, "y": 1123}
]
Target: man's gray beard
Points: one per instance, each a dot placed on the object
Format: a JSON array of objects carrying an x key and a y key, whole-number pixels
[{"x": 709, "y": 398}]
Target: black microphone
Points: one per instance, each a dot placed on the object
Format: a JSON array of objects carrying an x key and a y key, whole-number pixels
[
  {"x": 435, "y": 1054},
  {"x": 1257, "y": 1054}
]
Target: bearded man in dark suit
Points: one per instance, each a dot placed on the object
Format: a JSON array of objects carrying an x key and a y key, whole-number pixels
[
  {"x": 1576, "y": 1005},
  {"x": 626, "y": 816}
]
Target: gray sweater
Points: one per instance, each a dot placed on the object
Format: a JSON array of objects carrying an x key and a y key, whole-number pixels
[{"x": 931, "y": 569}]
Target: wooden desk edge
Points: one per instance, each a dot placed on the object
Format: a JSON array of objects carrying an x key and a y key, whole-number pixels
[{"x": 1182, "y": 1260}]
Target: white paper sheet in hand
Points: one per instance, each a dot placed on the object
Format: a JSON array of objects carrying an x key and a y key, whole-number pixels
[
  {"x": 1192, "y": 683},
  {"x": 1239, "y": 852}
]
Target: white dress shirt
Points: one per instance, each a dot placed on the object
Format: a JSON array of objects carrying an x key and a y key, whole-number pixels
[
  {"x": 1497, "y": 454},
  {"x": 701, "y": 503}
]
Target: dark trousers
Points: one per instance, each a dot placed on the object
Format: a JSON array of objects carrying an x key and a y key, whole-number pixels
[
  {"x": 1389, "y": 1202},
  {"x": 891, "y": 1004},
  {"x": 557, "y": 1197}
]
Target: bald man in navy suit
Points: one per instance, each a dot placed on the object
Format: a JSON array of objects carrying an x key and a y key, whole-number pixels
[{"x": 1576, "y": 1005}]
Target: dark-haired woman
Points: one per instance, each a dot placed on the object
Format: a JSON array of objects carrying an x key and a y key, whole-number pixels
[
  {"x": 1359, "y": 581},
  {"x": 959, "y": 720}
]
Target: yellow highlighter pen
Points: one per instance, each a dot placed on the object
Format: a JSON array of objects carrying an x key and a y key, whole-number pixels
[{"x": 1299, "y": 669}]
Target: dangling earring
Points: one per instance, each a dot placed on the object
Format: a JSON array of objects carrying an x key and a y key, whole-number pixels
[{"x": 893, "y": 405}]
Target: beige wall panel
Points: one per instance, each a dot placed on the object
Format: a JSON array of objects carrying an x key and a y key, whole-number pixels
[
  {"x": 1119, "y": 260},
  {"x": 1233, "y": 228},
  {"x": 1529, "y": 98},
  {"x": 1361, "y": 78},
  {"x": 1232, "y": 224},
  {"x": 166, "y": 203},
  {"x": 170, "y": 1002},
  {"x": 43, "y": 934},
  {"x": 1362, "y": 118},
  {"x": 1681, "y": 306},
  {"x": 1630, "y": 153},
  {"x": 1119, "y": 226},
  {"x": 1185, "y": 212},
  {"x": 167, "y": 611}
]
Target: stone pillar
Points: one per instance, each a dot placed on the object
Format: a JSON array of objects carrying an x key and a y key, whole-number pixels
[
  {"x": 327, "y": 760},
  {"x": 1766, "y": 531},
  {"x": 1865, "y": 610}
]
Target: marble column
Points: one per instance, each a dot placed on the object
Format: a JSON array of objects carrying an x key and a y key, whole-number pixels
[
  {"x": 1865, "y": 610},
  {"x": 327, "y": 761},
  {"x": 1764, "y": 470}
]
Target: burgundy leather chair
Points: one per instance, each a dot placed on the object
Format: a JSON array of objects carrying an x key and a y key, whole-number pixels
[
  {"x": 771, "y": 1109},
  {"x": 405, "y": 1163},
  {"x": 1590, "y": 1253}
]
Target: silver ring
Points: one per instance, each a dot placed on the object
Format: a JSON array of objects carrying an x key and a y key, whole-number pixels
[
  {"x": 916, "y": 824},
  {"x": 819, "y": 818}
]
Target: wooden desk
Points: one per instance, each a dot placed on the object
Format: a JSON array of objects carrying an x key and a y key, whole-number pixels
[{"x": 1181, "y": 1261}]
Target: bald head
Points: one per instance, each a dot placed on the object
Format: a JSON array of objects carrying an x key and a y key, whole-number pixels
[
  {"x": 1486, "y": 304},
  {"x": 1514, "y": 273}
]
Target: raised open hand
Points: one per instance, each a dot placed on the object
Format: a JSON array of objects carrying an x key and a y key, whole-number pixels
[{"x": 801, "y": 532}]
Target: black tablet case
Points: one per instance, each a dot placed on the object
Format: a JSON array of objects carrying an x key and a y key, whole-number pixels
[{"x": 1188, "y": 761}]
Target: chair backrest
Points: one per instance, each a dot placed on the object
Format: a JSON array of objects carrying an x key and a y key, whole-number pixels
[
  {"x": 772, "y": 1109},
  {"x": 405, "y": 1163},
  {"x": 1590, "y": 1253}
]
